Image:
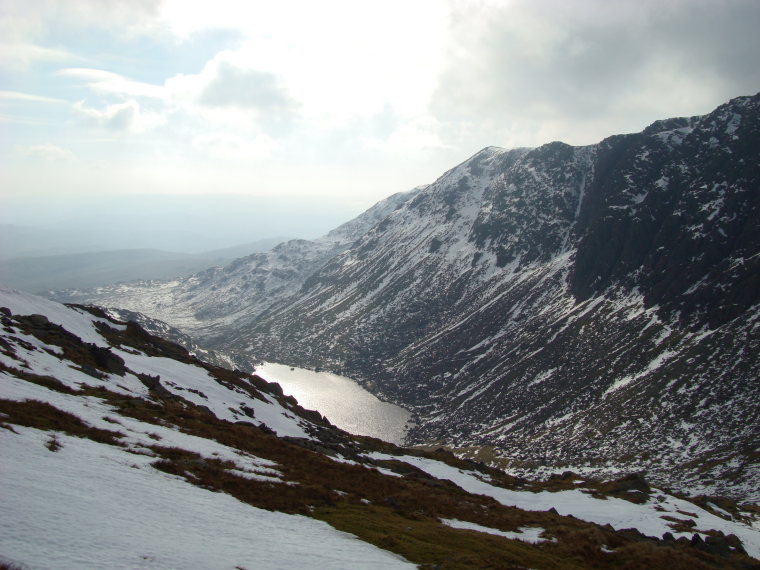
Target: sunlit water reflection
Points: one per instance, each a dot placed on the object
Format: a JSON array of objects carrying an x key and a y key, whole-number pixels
[{"x": 341, "y": 400}]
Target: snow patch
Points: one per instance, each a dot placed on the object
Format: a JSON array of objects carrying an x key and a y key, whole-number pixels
[{"x": 531, "y": 534}]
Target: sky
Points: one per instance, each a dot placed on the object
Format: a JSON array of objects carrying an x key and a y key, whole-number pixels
[{"x": 229, "y": 121}]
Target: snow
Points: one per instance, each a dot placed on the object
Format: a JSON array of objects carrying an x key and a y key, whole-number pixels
[
  {"x": 655, "y": 363},
  {"x": 191, "y": 382},
  {"x": 137, "y": 435},
  {"x": 80, "y": 323},
  {"x": 733, "y": 123},
  {"x": 225, "y": 403},
  {"x": 619, "y": 513},
  {"x": 91, "y": 505},
  {"x": 43, "y": 363},
  {"x": 530, "y": 534}
]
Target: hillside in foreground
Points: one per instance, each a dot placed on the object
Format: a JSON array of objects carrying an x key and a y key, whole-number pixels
[{"x": 122, "y": 450}]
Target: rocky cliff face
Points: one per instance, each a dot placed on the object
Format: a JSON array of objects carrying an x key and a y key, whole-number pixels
[
  {"x": 589, "y": 307},
  {"x": 566, "y": 305}
]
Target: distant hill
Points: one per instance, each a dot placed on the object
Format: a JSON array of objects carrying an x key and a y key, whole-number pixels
[{"x": 93, "y": 269}]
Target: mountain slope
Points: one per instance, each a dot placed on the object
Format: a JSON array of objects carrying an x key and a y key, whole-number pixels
[
  {"x": 113, "y": 436},
  {"x": 590, "y": 307},
  {"x": 582, "y": 306},
  {"x": 207, "y": 302}
]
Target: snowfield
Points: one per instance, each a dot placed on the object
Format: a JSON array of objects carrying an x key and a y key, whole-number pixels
[{"x": 96, "y": 506}]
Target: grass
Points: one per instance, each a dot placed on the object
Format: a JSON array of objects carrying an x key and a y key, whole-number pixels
[
  {"x": 401, "y": 514},
  {"x": 43, "y": 416},
  {"x": 46, "y": 381},
  {"x": 428, "y": 543},
  {"x": 54, "y": 444}
]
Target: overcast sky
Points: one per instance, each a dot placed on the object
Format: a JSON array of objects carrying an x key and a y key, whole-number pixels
[{"x": 330, "y": 105}]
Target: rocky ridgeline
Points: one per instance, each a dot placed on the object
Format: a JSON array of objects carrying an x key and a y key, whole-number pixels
[{"x": 595, "y": 308}]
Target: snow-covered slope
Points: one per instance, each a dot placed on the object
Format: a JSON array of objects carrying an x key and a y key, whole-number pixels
[
  {"x": 211, "y": 301},
  {"x": 78, "y": 347},
  {"x": 119, "y": 450},
  {"x": 590, "y": 307}
]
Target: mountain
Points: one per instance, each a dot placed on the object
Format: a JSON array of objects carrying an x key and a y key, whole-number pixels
[
  {"x": 206, "y": 303},
  {"x": 112, "y": 436},
  {"x": 590, "y": 308},
  {"x": 90, "y": 269}
]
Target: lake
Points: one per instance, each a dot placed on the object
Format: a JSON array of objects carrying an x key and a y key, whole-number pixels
[{"x": 341, "y": 400}]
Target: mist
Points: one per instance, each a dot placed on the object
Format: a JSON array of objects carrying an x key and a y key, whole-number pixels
[{"x": 177, "y": 223}]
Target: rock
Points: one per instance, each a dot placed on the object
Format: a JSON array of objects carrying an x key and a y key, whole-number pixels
[
  {"x": 92, "y": 371},
  {"x": 635, "y": 535},
  {"x": 153, "y": 383},
  {"x": 392, "y": 502},
  {"x": 107, "y": 360},
  {"x": 632, "y": 482},
  {"x": 39, "y": 321},
  {"x": 723, "y": 545}
]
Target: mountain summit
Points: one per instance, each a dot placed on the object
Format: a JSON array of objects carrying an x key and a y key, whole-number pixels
[{"x": 594, "y": 308}]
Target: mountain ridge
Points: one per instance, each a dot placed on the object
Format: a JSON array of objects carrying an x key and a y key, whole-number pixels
[{"x": 590, "y": 307}]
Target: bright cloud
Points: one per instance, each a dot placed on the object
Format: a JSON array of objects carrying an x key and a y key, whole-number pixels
[
  {"x": 17, "y": 96},
  {"x": 106, "y": 82},
  {"x": 338, "y": 59},
  {"x": 46, "y": 152},
  {"x": 355, "y": 99},
  {"x": 232, "y": 147},
  {"x": 121, "y": 117}
]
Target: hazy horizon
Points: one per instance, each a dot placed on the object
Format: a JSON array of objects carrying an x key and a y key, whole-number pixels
[
  {"x": 195, "y": 125},
  {"x": 183, "y": 224}
]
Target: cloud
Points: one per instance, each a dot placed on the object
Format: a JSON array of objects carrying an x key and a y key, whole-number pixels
[
  {"x": 25, "y": 27},
  {"x": 106, "y": 82},
  {"x": 233, "y": 86},
  {"x": 18, "y": 96},
  {"x": 589, "y": 68},
  {"x": 34, "y": 19},
  {"x": 46, "y": 152},
  {"x": 125, "y": 117},
  {"x": 233, "y": 147},
  {"x": 340, "y": 60},
  {"x": 16, "y": 56},
  {"x": 227, "y": 94},
  {"x": 409, "y": 136}
]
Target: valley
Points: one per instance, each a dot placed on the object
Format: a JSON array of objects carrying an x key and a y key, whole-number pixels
[
  {"x": 589, "y": 308},
  {"x": 433, "y": 285}
]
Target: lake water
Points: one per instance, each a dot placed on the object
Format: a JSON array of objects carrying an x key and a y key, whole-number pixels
[{"x": 341, "y": 400}]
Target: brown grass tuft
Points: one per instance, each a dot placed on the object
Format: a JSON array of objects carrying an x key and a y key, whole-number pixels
[{"x": 41, "y": 415}]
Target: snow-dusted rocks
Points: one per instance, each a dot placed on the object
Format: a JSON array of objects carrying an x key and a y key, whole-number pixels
[{"x": 594, "y": 308}]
